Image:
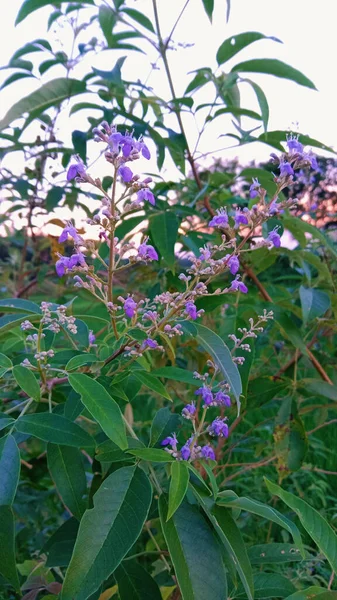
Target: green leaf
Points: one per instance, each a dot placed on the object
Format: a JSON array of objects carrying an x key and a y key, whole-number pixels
[
  {"x": 152, "y": 383},
  {"x": 102, "y": 407},
  {"x": 178, "y": 486},
  {"x": 314, "y": 303},
  {"x": 209, "y": 7},
  {"x": 113, "y": 77},
  {"x": 218, "y": 350},
  {"x": 291, "y": 442},
  {"x": 27, "y": 381},
  {"x": 313, "y": 593},
  {"x": 269, "y": 585},
  {"x": 110, "y": 452},
  {"x": 65, "y": 465},
  {"x": 49, "y": 94},
  {"x": 9, "y": 469},
  {"x": 176, "y": 374},
  {"x": 200, "y": 574},
  {"x": 54, "y": 196},
  {"x": 164, "y": 231},
  {"x": 317, "y": 387},
  {"x": 79, "y": 140},
  {"x": 16, "y": 305},
  {"x": 152, "y": 454},
  {"x": 82, "y": 359},
  {"x": 231, "y": 538},
  {"x": 7, "y": 547},
  {"x": 163, "y": 424},
  {"x": 134, "y": 583},
  {"x": 107, "y": 21},
  {"x": 267, "y": 512},
  {"x": 316, "y": 526},
  {"x": 5, "y": 363},
  {"x": 114, "y": 523},
  {"x": 234, "y": 44},
  {"x": 306, "y": 140},
  {"x": 5, "y": 421},
  {"x": 56, "y": 429},
  {"x": 262, "y": 101},
  {"x": 138, "y": 16},
  {"x": 272, "y": 66},
  {"x": 274, "y": 553},
  {"x": 289, "y": 329},
  {"x": 30, "y": 6}
]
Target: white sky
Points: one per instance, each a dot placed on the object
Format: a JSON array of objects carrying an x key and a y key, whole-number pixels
[{"x": 307, "y": 29}]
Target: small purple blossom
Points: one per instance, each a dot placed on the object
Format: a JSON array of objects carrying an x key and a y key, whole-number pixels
[
  {"x": 185, "y": 451},
  {"x": 205, "y": 253},
  {"x": 208, "y": 452},
  {"x": 311, "y": 158},
  {"x": 69, "y": 263},
  {"x": 206, "y": 395},
  {"x": 233, "y": 264},
  {"x": 274, "y": 238},
  {"x": 70, "y": 230},
  {"x": 147, "y": 252},
  {"x": 148, "y": 343},
  {"x": 286, "y": 169},
  {"x": 92, "y": 338},
  {"x": 294, "y": 145},
  {"x": 130, "y": 307},
  {"x": 125, "y": 173},
  {"x": 171, "y": 440},
  {"x": 222, "y": 399},
  {"x": 191, "y": 310},
  {"x": 253, "y": 190},
  {"x": 146, "y": 195},
  {"x": 238, "y": 286},
  {"x": 240, "y": 218},
  {"x": 219, "y": 220},
  {"x": 189, "y": 411},
  {"x": 76, "y": 170},
  {"x": 218, "y": 428},
  {"x": 142, "y": 147},
  {"x": 274, "y": 208}
]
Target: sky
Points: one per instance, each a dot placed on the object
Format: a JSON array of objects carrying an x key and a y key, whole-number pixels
[{"x": 306, "y": 28}]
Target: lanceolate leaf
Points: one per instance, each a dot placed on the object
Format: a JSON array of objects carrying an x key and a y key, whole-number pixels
[
  {"x": 214, "y": 346},
  {"x": 163, "y": 424},
  {"x": 152, "y": 454},
  {"x": 134, "y": 583},
  {"x": 9, "y": 469},
  {"x": 27, "y": 381},
  {"x": 107, "y": 531},
  {"x": 269, "y": 585},
  {"x": 272, "y": 66},
  {"x": 314, "y": 303},
  {"x": 50, "y": 94},
  {"x": 265, "y": 554},
  {"x": 267, "y": 512},
  {"x": 209, "y": 7},
  {"x": 7, "y": 547},
  {"x": 313, "y": 593},
  {"x": 164, "y": 230},
  {"x": 178, "y": 486},
  {"x": 102, "y": 407},
  {"x": 316, "y": 526},
  {"x": 66, "y": 468},
  {"x": 152, "y": 383},
  {"x": 234, "y": 44},
  {"x": 30, "y": 6},
  {"x": 195, "y": 553},
  {"x": 56, "y": 429}
]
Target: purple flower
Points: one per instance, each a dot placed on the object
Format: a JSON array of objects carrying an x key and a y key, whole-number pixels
[
  {"x": 130, "y": 307},
  {"x": 185, "y": 451},
  {"x": 219, "y": 220},
  {"x": 189, "y": 411},
  {"x": 171, "y": 440},
  {"x": 92, "y": 338},
  {"x": 147, "y": 252},
  {"x": 146, "y": 195},
  {"x": 208, "y": 452},
  {"x": 61, "y": 265},
  {"x": 125, "y": 173},
  {"x": 206, "y": 395},
  {"x": 233, "y": 264},
  {"x": 253, "y": 188},
  {"x": 222, "y": 399},
  {"x": 238, "y": 286},
  {"x": 76, "y": 170},
  {"x": 77, "y": 259},
  {"x": 294, "y": 145},
  {"x": 205, "y": 253},
  {"x": 142, "y": 147},
  {"x": 70, "y": 230},
  {"x": 191, "y": 310},
  {"x": 240, "y": 219},
  {"x": 148, "y": 343},
  {"x": 311, "y": 158},
  {"x": 218, "y": 427},
  {"x": 274, "y": 238},
  {"x": 115, "y": 140},
  {"x": 274, "y": 208},
  {"x": 127, "y": 145},
  {"x": 286, "y": 169}
]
